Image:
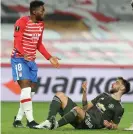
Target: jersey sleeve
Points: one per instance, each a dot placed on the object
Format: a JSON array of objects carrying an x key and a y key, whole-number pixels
[
  {"x": 118, "y": 115},
  {"x": 18, "y": 34},
  {"x": 94, "y": 101},
  {"x": 42, "y": 49}
]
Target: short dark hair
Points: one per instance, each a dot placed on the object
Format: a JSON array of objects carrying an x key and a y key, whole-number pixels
[
  {"x": 35, "y": 4},
  {"x": 126, "y": 84}
]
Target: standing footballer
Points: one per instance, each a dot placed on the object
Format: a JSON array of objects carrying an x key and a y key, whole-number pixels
[{"x": 27, "y": 39}]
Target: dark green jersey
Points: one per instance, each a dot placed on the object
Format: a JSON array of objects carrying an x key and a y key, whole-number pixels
[{"x": 105, "y": 108}]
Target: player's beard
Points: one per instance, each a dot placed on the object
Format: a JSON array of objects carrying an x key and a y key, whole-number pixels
[{"x": 112, "y": 91}]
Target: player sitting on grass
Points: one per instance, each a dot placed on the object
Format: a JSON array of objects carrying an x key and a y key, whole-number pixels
[{"x": 105, "y": 111}]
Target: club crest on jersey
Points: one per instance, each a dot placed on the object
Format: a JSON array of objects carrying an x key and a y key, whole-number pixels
[
  {"x": 111, "y": 106},
  {"x": 17, "y": 28}
]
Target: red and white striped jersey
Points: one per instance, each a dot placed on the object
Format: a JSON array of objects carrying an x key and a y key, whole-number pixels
[{"x": 28, "y": 39}]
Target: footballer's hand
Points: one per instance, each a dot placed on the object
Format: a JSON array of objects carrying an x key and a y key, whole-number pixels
[
  {"x": 54, "y": 61},
  {"x": 107, "y": 124},
  {"x": 84, "y": 86},
  {"x": 26, "y": 57}
]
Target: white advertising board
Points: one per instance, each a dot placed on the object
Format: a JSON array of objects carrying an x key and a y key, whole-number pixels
[{"x": 69, "y": 81}]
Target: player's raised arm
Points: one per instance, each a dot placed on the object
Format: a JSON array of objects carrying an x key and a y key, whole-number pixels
[
  {"x": 85, "y": 104},
  {"x": 18, "y": 34},
  {"x": 45, "y": 53}
]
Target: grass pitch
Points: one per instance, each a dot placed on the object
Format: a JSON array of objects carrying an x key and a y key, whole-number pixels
[{"x": 9, "y": 110}]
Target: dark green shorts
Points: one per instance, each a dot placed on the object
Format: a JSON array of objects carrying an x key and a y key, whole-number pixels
[{"x": 68, "y": 108}]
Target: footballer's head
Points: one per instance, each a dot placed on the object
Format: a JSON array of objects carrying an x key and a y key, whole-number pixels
[
  {"x": 37, "y": 9},
  {"x": 120, "y": 85}
]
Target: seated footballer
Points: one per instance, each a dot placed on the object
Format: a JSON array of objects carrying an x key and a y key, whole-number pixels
[{"x": 104, "y": 111}]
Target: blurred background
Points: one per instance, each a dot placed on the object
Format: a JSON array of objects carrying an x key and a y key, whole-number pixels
[{"x": 93, "y": 38}]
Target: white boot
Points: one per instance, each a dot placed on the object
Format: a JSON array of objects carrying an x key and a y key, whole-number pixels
[
  {"x": 130, "y": 128},
  {"x": 44, "y": 125}
]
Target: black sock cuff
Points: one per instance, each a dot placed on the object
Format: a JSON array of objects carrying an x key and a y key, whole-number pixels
[{"x": 55, "y": 98}]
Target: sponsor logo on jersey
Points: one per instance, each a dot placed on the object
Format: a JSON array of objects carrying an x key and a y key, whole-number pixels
[
  {"x": 101, "y": 107},
  {"x": 35, "y": 36}
]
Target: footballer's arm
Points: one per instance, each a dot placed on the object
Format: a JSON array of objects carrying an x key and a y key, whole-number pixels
[
  {"x": 45, "y": 53},
  {"x": 42, "y": 49},
  {"x": 18, "y": 34},
  {"x": 85, "y": 104},
  {"x": 113, "y": 124}
]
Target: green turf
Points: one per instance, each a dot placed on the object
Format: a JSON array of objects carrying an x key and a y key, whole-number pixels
[{"x": 40, "y": 113}]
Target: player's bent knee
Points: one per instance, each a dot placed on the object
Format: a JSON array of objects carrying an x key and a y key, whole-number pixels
[
  {"x": 78, "y": 109},
  {"x": 63, "y": 98},
  {"x": 60, "y": 94},
  {"x": 80, "y": 112}
]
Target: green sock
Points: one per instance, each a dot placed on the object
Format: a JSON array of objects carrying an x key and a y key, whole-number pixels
[
  {"x": 67, "y": 118},
  {"x": 54, "y": 107}
]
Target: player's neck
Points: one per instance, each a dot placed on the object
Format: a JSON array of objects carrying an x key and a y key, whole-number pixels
[
  {"x": 116, "y": 96},
  {"x": 33, "y": 19}
]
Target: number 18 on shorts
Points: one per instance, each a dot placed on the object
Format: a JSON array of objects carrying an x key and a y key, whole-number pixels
[{"x": 24, "y": 70}]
